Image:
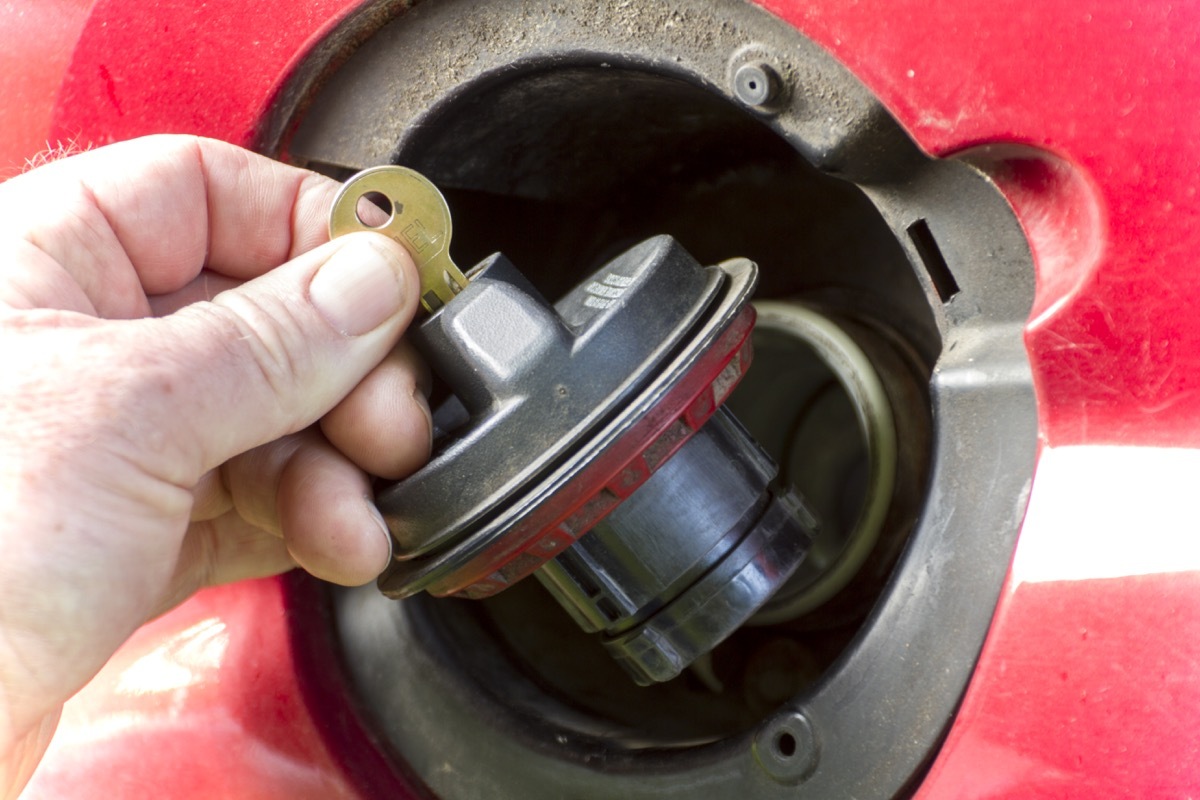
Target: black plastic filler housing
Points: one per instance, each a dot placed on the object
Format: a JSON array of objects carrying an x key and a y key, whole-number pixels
[{"x": 562, "y": 133}]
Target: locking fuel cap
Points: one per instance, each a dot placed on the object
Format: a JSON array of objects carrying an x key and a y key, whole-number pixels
[{"x": 600, "y": 415}]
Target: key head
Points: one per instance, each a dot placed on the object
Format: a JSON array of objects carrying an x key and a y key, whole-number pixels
[{"x": 418, "y": 219}]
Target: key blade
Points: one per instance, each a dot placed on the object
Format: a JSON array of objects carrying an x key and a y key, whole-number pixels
[{"x": 419, "y": 221}]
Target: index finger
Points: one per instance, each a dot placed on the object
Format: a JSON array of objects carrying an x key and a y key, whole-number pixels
[{"x": 145, "y": 216}]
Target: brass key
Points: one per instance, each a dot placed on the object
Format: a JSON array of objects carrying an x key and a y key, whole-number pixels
[{"x": 419, "y": 220}]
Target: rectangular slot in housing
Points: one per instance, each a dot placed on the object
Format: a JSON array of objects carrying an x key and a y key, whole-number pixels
[{"x": 935, "y": 263}]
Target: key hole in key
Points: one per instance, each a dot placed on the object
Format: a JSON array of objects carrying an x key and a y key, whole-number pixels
[{"x": 375, "y": 209}]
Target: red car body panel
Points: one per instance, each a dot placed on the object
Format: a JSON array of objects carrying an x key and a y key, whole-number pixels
[
  {"x": 1085, "y": 115},
  {"x": 39, "y": 38}
]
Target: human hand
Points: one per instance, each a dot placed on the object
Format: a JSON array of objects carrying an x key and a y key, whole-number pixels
[{"x": 143, "y": 457}]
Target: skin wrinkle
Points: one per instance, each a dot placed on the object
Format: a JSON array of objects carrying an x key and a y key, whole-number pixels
[
  {"x": 299, "y": 189},
  {"x": 84, "y": 256},
  {"x": 272, "y": 360},
  {"x": 135, "y": 295},
  {"x": 271, "y": 334},
  {"x": 59, "y": 283},
  {"x": 208, "y": 551},
  {"x": 160, "y": 274},
  {"x": 49, "y": 258},
  {"x": 253, "y": 480},
  {"x": 308, "y": 217},
  {"x": 210, "y": 497},
  {"x": 198, "y": 149},
  {"x": 83, "y": 253},
  {"x": 200, "y": 555},
  {"x": 310, "y": 474}
]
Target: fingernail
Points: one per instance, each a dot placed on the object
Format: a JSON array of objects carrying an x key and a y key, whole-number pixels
[
  {"x": 358, "y": 288},
  {"x": 422, "y": 402},
  {"x": 383, "y": 526}
]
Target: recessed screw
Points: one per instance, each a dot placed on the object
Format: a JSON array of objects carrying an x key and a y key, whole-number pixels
[
  {"x": 756, "y": 85},
  {"x": 786, "y": 748}
]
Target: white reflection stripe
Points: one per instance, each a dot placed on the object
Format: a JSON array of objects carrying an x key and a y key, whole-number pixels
[{"x": 1110, "y": 512}]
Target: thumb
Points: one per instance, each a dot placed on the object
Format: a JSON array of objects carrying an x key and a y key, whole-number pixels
[{"x": 272, "y": 356}]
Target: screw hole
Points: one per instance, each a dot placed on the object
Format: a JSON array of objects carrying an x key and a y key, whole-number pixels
[
  {"x": 375, "y": 209},
  {"x": 785, "y": 744}
]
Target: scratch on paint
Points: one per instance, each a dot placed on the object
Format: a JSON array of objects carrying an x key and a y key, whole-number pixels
[{"x": 110, "y": 87}]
